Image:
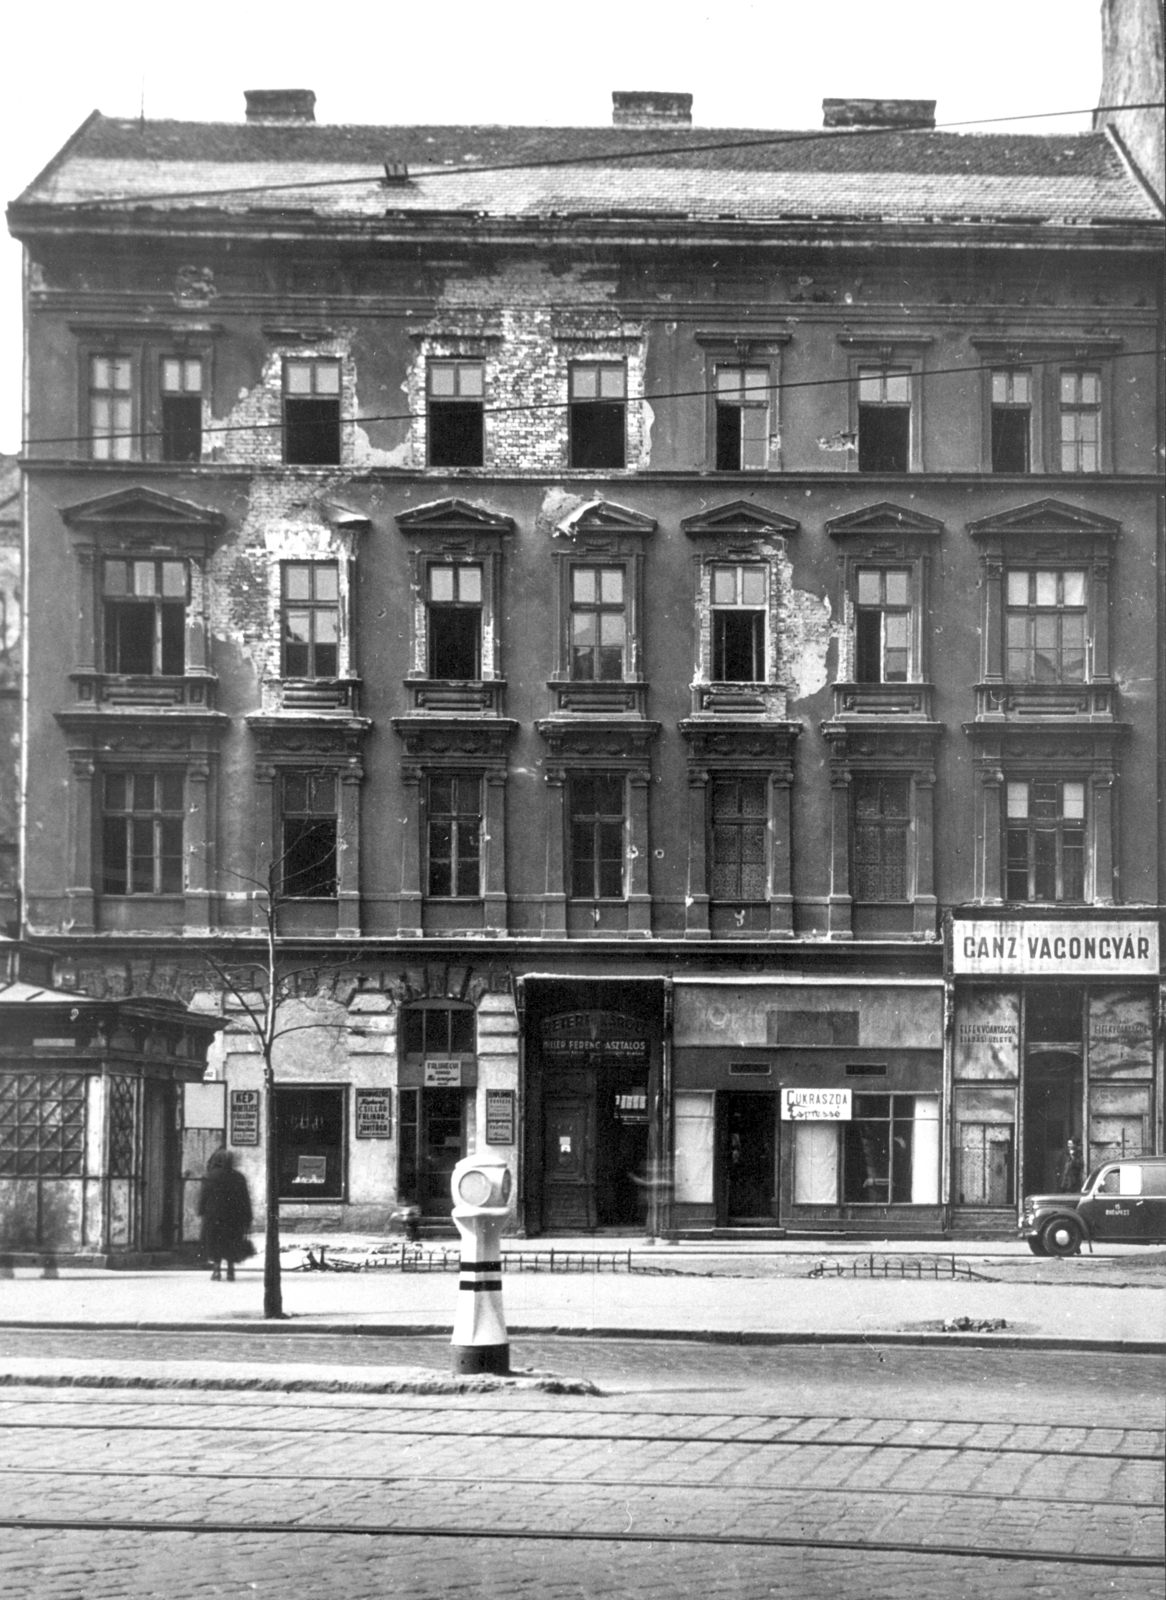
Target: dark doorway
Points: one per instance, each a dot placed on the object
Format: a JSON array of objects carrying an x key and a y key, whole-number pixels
[
  {"x": 159, "y": 1165},
  {"x": 1052, "y": 1116},
  {"x": 432, "y": 1142},
  {"x": 746, "y": 1148}
]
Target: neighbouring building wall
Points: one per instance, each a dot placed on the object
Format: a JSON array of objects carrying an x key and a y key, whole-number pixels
[
  {"x": 9, "y": 684},
  {"x": 1134, "y": 71}
]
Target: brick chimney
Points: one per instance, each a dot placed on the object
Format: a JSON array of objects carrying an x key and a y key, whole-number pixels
[
  {"x": 650, "y": 108},
  {"x": 280, "y": 105},
  {"x": 878, "y": 113}
]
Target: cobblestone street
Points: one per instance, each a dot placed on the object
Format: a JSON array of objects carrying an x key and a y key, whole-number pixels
[{"x": 851, "y": 1472}]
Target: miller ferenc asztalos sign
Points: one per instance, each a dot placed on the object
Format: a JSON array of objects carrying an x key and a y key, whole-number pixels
[{"x": 991, "y": 946}]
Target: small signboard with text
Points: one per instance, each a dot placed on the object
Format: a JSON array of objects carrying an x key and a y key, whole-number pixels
[
  {"x": 499, "y": 1116},
  {"x": 244, "y": 1123},
  {"x": 374, "y": 1113},
  {"x": 443, "y": 1074},
  {"x": 815, "y": 1105}
]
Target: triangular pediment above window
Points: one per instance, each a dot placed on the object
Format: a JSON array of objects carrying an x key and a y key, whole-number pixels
[
  {"x": 452, "y": 516},
  {"x": 1044, "y": 517},
  {"x": 884, "y": 519},
  {"x": 141, "y": 508},
  {"x": 603, "y": 516},
  {"x": 737, "y": 519}
]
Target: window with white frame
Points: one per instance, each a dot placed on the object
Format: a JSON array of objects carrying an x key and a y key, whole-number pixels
[
  {"x": 1046, "y": 625},
  {"x": 598, "y": 622},
  {"x": 738, "y": 603},
  {"x": 311, "y": 619},
  {"x": 1080, "y": 420},
  {"x": 453, "y": 835},
  {"x": 311, "y": 412},
  {"x": 741, "y": 402},
  {"x": 597, "y": 414},
  {"x": 111, "y": 408},
  {"x": 1044, "y": 843},
  {"x": 882, "y": 624},
  {"x": 144, "y": 616},
  {"x": 142, "y": 833},
  {"x": 887, "y": 1154}
]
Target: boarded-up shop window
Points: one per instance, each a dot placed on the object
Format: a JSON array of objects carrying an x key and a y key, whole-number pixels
[
  {"x": 815, "y": 1164},
  {"x": 985, "y": 1147},
  {"x": 694, "y": 1149},
  {"x": 1119, "y": 1121}
]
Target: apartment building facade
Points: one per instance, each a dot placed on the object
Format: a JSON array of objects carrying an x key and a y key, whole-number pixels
[{"x": 679, "y": 623}]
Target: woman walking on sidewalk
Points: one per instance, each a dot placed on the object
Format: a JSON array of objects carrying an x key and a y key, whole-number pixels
[{"x": 224, "y": 1205}]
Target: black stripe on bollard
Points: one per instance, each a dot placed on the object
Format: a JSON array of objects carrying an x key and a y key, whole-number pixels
[
  {"x": 481, "y": 1266},
  {"x": 483, "y": 1286}
]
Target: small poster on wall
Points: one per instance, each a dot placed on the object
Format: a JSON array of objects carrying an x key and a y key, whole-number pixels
[
  {"x": 499, "y": 1116},
  {"x": 312, "y": 1169},
  {"x": 374, "y": 1113},
  {"x": 244, "y": 1123}
]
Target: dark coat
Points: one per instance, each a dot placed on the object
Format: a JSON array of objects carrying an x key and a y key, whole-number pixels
[
  {"x": 224, "y": 1205},
  {"x": 1072, "y": 1174}
]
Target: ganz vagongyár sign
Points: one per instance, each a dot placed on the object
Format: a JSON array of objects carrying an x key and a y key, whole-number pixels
[{"x": 995, "y": 946}]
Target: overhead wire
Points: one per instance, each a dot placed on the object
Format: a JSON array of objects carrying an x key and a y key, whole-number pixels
[
  {"x": 704, "y": 392},
  {"x": 450, "y": 170}
]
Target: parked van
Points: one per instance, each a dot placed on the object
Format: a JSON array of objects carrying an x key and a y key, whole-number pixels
[{"x": 1121, "y": 1202}]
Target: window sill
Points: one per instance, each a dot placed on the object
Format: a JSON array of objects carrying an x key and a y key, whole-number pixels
[
  {"x": 153, "y": 692},
  {"x": 907, "y": 700},
  {"x": 585, "y": 697},
  {"x": 1024, "y": 702}
]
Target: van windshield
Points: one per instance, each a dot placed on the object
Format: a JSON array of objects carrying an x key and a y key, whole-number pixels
[{"x": 1090, "y": 1179}]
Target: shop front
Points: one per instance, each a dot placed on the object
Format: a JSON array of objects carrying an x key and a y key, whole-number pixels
[
  {"x": 808, "y": 1104},
  {"x": 1055, "y": 1039}
]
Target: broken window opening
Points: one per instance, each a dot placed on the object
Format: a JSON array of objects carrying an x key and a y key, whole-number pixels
[
  {"x": 738, "y": 624},
  {"x": 597, "y": 419},
  {"x": 311, "y": 413},
  {"x": 882, "y": 626},
  {"x": 456, "y": 413},
  {"x": 742, "y": 418},
  {"x": 884, "y": 419},
  {"x": 145, "y": 617},
  {"x": 1011, "y": 421},
  {"x": 309, "y": 859},
  {"x": 454, "y": 621},
  {"x": 181, "y": 386}
]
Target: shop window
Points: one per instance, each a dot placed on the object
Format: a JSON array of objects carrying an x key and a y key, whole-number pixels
[
  {"x": 890, "y": 1150},
  {"x": 311, "y": 413},
  {"x": 111, "y": 408},
  {"x": 597, "y": 417},
  {"x": 985, "y": 1147},
  {"x": 181, "y": 394},
  {"x": 882, "y": 821},
  {"x": 1080, "y": 421},
  {"x": 144, "y": 617},
  {"x": 738, "y": 868},
  {"x": 309, "y": 844},
  {"x": 738, "y": 623},
  {"x": 597, "y": 824},
  {"x": 599, "y": 629},
  {"x": 310, "y": 1142},
  {"x": 454, "y": 621},
  {"x": 142, "y": 833},
  {"x": 1045, "y": 840},
  {"x": 455, "y": 414},
  {"x": 882, "y": 625},
  {"x": 884, "y": 419},
  {"x": 741, "y": 400},
  {"x": 453, "y": 831},
  {"x": 1011, "y": 420},
  {"x": 42, "y": 1124},
  {"x": 311, "y": 619},
  {"x": 1046, "y": 619}
]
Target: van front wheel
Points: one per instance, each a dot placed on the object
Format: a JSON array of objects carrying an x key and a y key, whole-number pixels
[{"x": 1061, "y": 1237}]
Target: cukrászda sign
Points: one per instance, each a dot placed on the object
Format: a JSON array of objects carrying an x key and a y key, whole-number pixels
[
  {"x": 815, "y": 1105},
  {"x": 1001, "y": 947}
]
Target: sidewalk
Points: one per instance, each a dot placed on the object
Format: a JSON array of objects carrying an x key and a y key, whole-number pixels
[{"x": 642, "y": 1304}]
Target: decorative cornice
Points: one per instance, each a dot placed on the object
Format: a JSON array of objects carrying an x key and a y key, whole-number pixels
[
  {"x": 1045, "y": 517},
  {"x": 452, "y": 517},
  {"x": 141, "y": 507},
  {"x": 736, "y": 519},
  {"x": 884, "y": 518}
]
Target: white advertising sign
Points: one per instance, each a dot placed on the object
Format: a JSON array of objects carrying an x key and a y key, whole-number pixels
[
  {"x": 995, "y": 947},
  {"x": 815, "y": 1105},
  {"x": 443, "y": 1075}
]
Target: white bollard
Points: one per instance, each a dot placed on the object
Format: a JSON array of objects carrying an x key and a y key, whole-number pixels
[{"x": 481, "y": 1192}]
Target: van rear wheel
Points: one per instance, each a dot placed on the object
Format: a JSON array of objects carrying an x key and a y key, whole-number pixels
[{"x": 1061, "y": 1237}]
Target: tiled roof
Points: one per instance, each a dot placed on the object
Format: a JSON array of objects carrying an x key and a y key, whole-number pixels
[{"x": 892, "y": 176}]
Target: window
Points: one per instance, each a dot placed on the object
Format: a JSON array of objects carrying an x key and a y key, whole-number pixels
[
  {"x": 111, "y": 408},
  {"x": 455, "y": 621},
  {"x": 598, "y": 623},
  {"x": 882, "y": 819},
  {"x": 597, "y": 833},
  {"x": 181, "y": 389},
  {"x": 882, "y": 625},
  {"x": 311, "y": 619},
  {"x": 455, "y": 414},
  {"x": 884, "y": 419},
  {"x": 598, "y": 395},
  {"x": 311, "y": 413},
  {"x": 309, "y": 835},
  {"x": 145, "y": 617},
  {"x": 742, "y": 417},
  {"x": 1046, "y": 626},
  {"x": 42, "y": 1124},
  {"x": 1045, "y": 840},
  {"x": 1011, "y": 420},
  {"x": 1080, "y": 421},
  {"x": 310, "y": 1143},
  {"x": 738, "y": 618},
  {"x": 142, "y": 833},
  {"x": 437, "y": 1030},
  {"x": 890, "y": 1150},
  {"x": 739, "y": 830},
  {"x": 454, "y": 835}
]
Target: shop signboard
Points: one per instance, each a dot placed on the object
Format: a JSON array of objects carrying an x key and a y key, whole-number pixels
[
  {"x": 1043, "y": 948},
  {"x": 499, "y": 1116},
  {"x": 244, "y": 1123},
  {"x": 374, "y": 1113},
  {"x": 815, "y": 1105},
  {"x": 442, "y": 1074}
]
